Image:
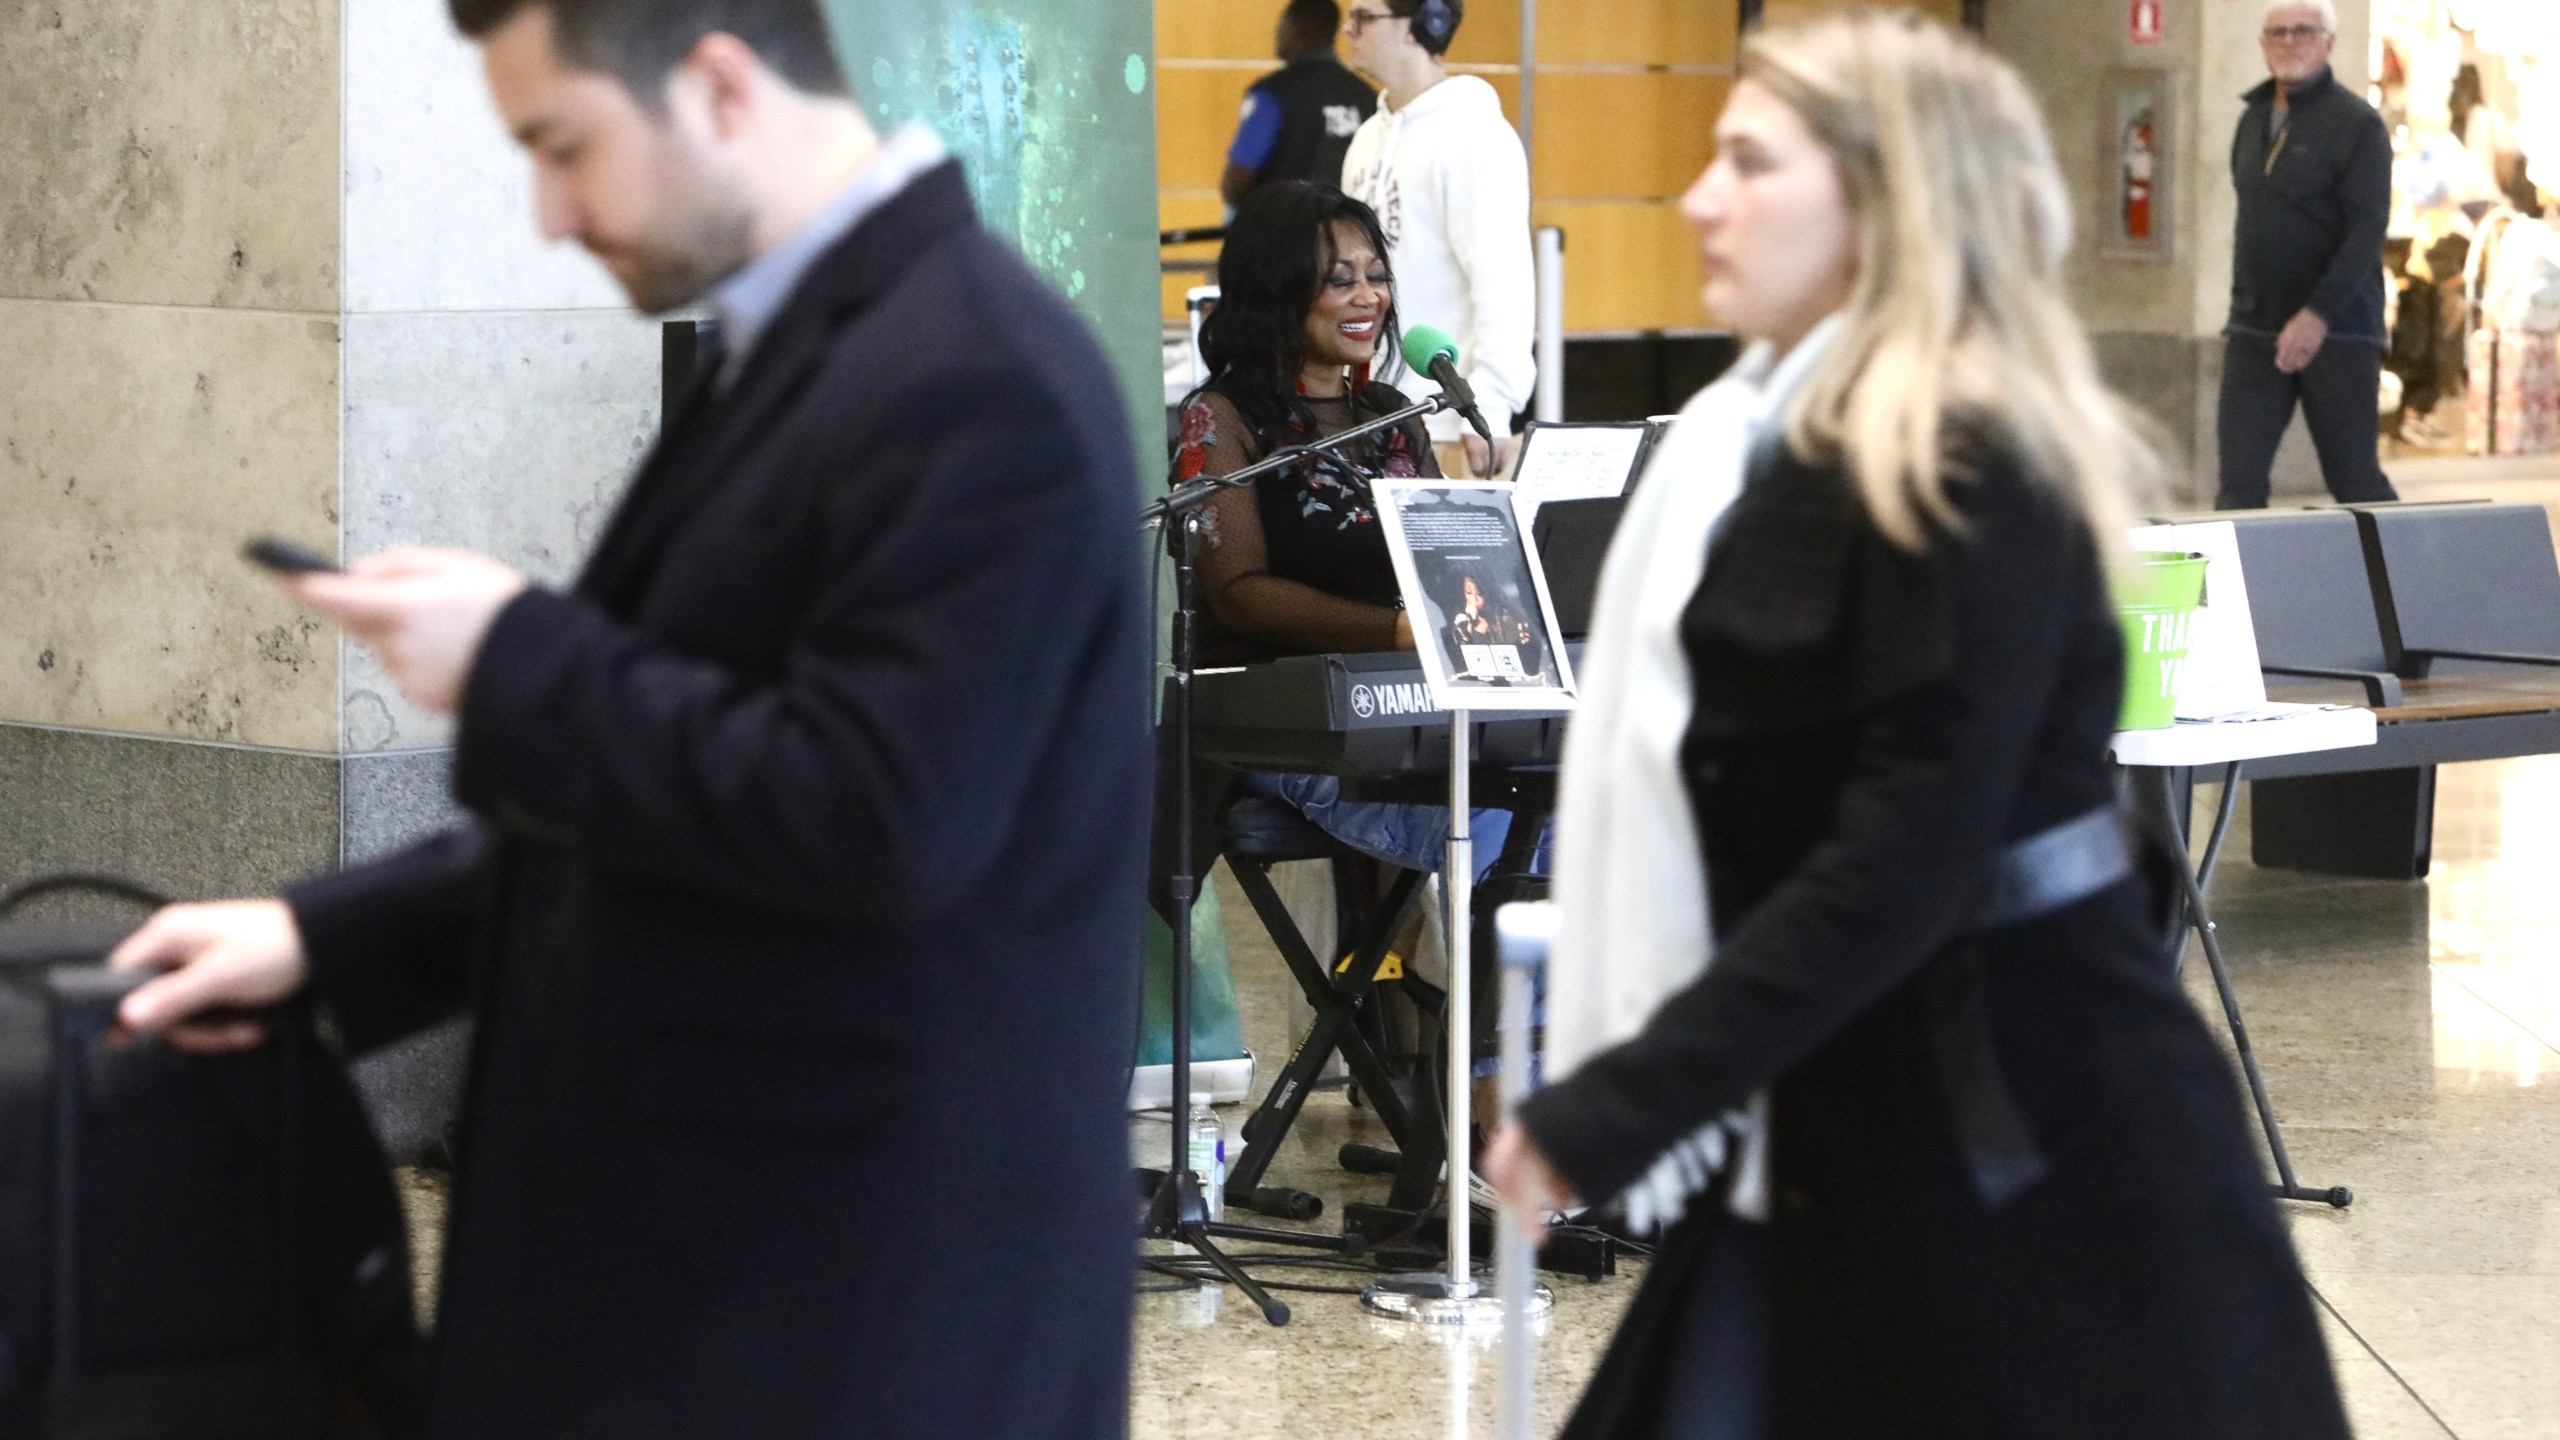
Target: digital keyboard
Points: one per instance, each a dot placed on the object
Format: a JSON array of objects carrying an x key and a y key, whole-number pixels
[{"x": 1354, "y": 715}]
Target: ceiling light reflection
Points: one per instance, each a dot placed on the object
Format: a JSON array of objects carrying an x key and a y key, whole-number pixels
[{"x": 2477, "y": 1048}]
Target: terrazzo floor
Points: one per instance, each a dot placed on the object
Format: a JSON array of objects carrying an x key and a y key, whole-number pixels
[{"x": 2410, "y": 1034}]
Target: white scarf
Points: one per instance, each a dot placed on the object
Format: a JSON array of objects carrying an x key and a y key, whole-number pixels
[{"x": 1630, "y": 877}]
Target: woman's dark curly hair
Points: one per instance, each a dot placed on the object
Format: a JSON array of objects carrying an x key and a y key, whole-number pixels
[{"x": 1279, "y": 249}]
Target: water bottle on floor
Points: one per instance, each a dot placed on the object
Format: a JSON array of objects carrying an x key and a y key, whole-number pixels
[{"x": 1209, "y": 1154}]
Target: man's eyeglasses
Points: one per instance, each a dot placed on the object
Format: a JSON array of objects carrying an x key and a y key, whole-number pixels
[
  {"x": 2290, "y": 34},
  {"x": 1357, "y": 20}
]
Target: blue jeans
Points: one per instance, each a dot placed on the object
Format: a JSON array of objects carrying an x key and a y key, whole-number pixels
[{"x": 1413, "y": 836}]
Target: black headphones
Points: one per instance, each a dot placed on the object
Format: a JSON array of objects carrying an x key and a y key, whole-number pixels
[{"x": 1435, "y": 24}]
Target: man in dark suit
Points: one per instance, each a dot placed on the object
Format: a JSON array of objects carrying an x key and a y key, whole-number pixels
[{"x": 800, "y": 907}]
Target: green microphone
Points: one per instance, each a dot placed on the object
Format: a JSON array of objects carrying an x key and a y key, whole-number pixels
[{"x": 1430, "y": 351}]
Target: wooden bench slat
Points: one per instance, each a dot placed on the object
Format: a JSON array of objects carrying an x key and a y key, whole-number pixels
[{"x": 2442, "y": 697}]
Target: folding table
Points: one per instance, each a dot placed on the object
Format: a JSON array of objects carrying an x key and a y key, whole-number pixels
[{"x": 2160, "y": 766}]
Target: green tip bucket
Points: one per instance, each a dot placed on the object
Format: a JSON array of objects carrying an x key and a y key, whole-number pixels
[{"x": 2157, "y": 597}]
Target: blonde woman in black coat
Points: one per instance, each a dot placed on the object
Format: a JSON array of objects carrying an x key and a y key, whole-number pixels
[{"x": 1858, "y": 992}]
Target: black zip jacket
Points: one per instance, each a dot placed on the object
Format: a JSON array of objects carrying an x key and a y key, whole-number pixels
[{"x": 2314, "y": 202}]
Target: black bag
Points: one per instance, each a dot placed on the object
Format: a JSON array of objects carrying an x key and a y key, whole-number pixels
[{"x": 189, "y": 1246}]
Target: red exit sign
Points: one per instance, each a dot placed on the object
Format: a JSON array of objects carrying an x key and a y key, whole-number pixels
[{"x": 2143, "y": 20}]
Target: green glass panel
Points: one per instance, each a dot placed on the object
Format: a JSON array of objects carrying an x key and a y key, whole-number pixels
[
  {"x": 1216, "y": 1032},
  {"x": 1051, "y": 105}
]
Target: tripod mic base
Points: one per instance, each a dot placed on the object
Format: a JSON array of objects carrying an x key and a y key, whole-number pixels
[
  {"x": 1221, "y": 1270},
  {"x": 1279, "y": 1202},
  {"x": 1368, "y": 1160},
  {"x": 1180, "y": 1215},
  {"x": 1428, "y": 1298}
]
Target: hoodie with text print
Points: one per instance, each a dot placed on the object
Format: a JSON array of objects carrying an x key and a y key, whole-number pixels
[{"x": 1450, "y": 182}]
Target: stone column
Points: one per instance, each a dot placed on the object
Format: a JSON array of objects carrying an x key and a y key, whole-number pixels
[
  {"x": 266, "y": 266},
  {"x": 269, "y": 266}
]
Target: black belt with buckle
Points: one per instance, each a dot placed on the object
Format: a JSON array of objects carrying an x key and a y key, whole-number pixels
[{"x": 2048, "y": 871}]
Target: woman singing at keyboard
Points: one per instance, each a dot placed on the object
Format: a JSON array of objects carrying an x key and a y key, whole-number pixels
[
  {"x": 1297, "y": 564},
  {"x": 1859, "y": 999}
]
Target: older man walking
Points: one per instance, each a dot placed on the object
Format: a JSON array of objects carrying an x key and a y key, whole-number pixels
[{"x": 2312, "y": 164}]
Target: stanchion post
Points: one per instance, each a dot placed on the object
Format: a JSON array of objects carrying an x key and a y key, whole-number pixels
[
  {"x": 1525, "y": 932},
  {"x": 1452, "y": 1296},
  {"x": 1457, "y": 885},
  {"x": 1549, "y": 405}
]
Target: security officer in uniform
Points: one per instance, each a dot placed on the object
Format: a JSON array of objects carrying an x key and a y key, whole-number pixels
[{"x": 1299, "y": 119}]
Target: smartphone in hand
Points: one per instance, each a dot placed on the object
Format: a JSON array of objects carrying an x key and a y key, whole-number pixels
[{"x": 283, "y": 557}]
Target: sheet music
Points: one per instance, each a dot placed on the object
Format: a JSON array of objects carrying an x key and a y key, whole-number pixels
[{"x": 1575, "y": 462}]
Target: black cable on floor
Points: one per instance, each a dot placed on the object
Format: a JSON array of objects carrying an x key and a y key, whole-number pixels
[{"x": 1211, "y": 1277}]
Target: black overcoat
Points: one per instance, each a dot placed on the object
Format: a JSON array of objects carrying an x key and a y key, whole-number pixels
[
  {"x": 801, "y": 911},
  {"x": 1871, "y": 727}
]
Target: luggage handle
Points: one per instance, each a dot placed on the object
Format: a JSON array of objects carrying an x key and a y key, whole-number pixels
[
  {"x": 85, "y": 997},
  {"x": 83, "y": 883},
  {"x": 83, "y": 1008},
  {"x": 83, "y": 1003}
]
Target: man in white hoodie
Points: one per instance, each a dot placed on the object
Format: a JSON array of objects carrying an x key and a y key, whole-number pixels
[{"x": 1450, "y": 182}]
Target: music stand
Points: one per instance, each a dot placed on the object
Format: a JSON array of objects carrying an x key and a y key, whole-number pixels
[{"x": 1484, "y": 627}]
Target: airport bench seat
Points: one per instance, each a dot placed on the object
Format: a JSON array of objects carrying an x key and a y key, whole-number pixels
[{"x": 2444, "y": 619}]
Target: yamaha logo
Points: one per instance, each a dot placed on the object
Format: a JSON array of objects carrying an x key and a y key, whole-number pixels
[{"x": 1370, "y": 701}]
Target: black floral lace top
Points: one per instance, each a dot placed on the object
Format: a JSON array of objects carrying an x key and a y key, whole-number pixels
[{"x": 1297, "y": 564}]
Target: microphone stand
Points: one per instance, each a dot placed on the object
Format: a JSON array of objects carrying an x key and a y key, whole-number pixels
[
  {"x": 1179, "y": 1211},
  {"x": 1183, "y": 500}
]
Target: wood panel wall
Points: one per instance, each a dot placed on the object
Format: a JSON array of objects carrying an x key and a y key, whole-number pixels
[{"x": 1627, "y": 95}]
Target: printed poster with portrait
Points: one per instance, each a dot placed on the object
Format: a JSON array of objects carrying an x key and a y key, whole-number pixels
[{"x": 1475, "y": 596}]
